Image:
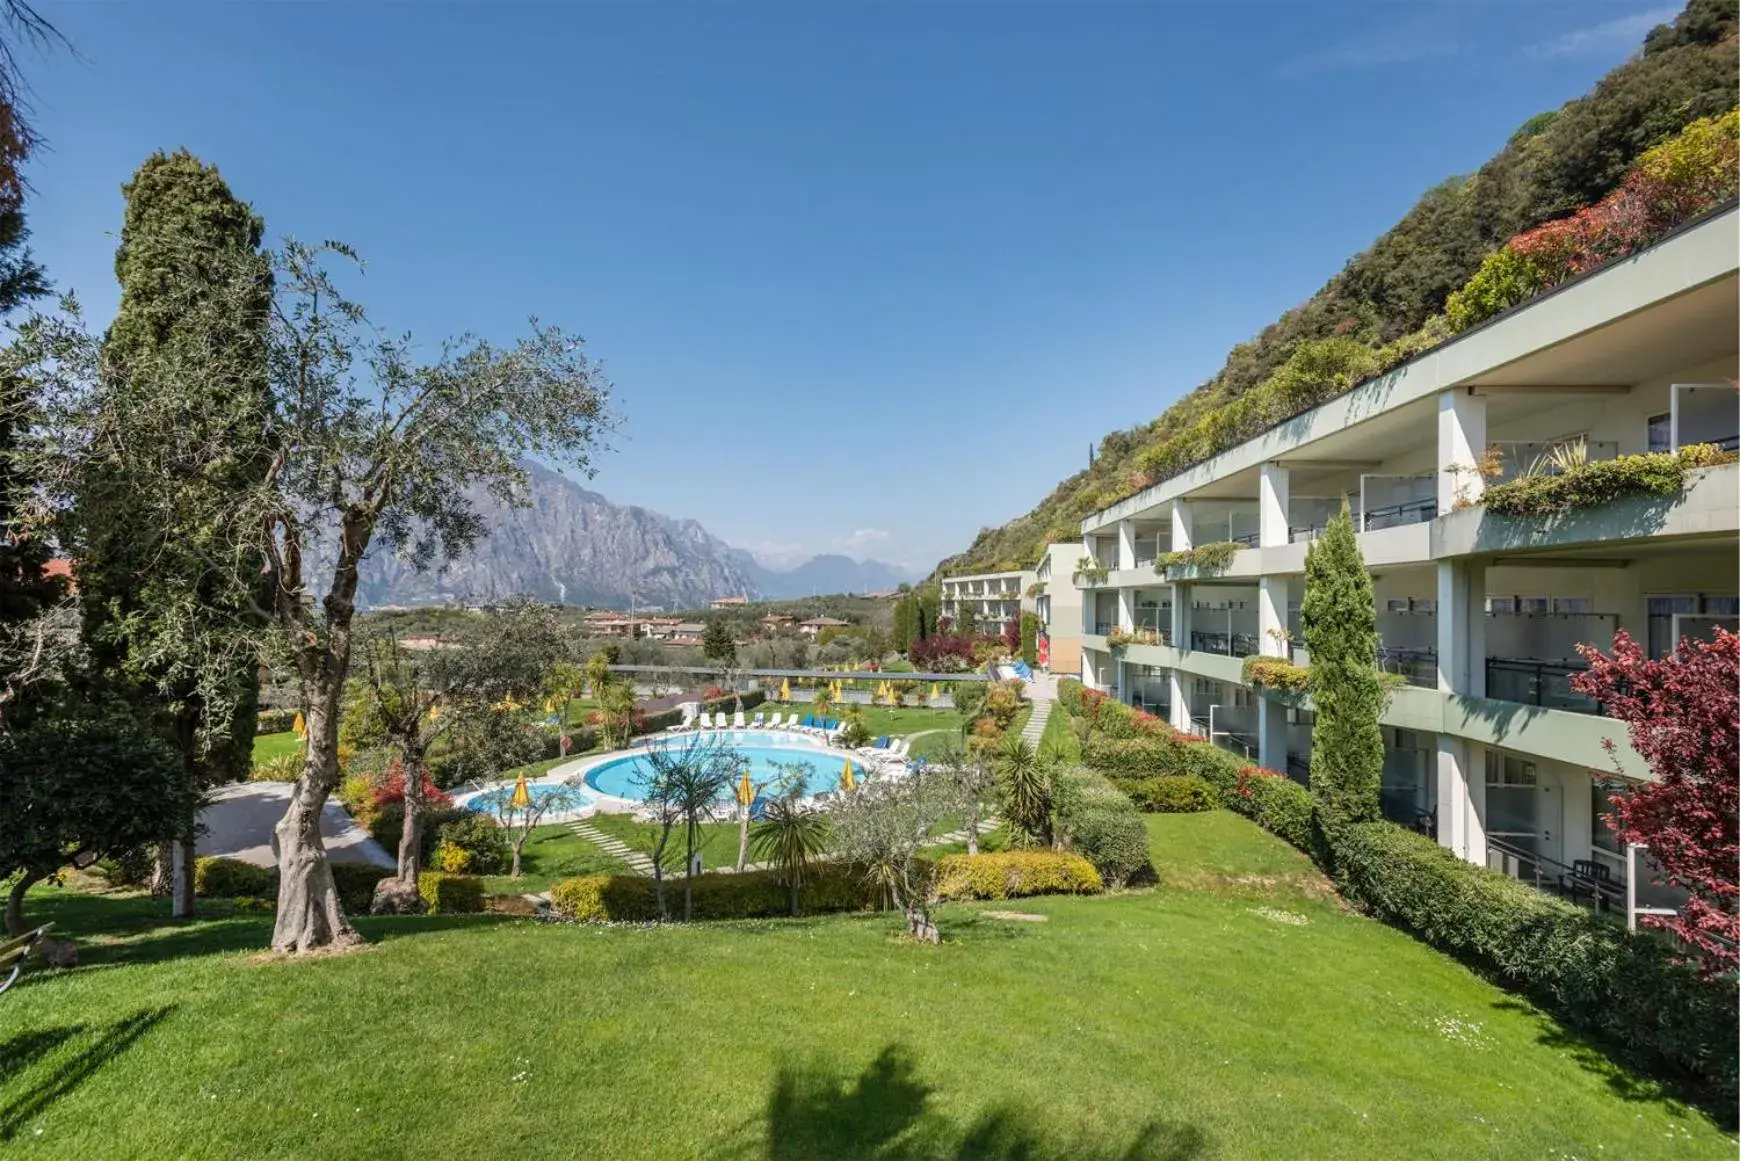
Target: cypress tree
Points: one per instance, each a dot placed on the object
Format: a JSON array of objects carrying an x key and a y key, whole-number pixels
[
  {"x": 1340, "y": 620},
  {"x": 173, "y": 608}
]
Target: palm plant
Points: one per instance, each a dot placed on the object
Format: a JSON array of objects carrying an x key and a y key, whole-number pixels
[
  {"x": 792, "y": 837},
  {"x": 1026, "y": 790}
]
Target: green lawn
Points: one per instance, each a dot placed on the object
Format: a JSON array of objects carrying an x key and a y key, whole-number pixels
[
  {"x": 718, "y": 839},
  {"x": 1060, "y": 735},
  {"x": 270, "y": 746},
  {"x": 554, "y": 853},
  {"x": 1184, "y": 1022}
]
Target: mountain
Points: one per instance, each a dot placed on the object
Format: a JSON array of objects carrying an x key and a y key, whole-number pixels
[
  {"x": 575, "y": 547},
  {"x": 1388, "y": 303},
  {"x": 825, "y": 574}
]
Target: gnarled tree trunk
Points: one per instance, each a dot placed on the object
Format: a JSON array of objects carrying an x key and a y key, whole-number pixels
[
  {"x": 309, "y": 914},
  {"x": 15, "y": 902},
  {"x": 411, "y": 837}
]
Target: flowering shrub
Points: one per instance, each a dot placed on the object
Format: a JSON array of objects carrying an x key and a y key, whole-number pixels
[
  {"x": 1682, "y": 713},
  {"x": 1120, "y": 637},
  {"x": 1014, "y": 874},
  {"x": 1667, "y": 186},
  {"x": 944, "y": 654},
  {"x": 391, "y": 790},
  {"x": 1012, "y": 635}
]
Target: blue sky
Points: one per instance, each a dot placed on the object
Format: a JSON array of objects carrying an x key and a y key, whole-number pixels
[{"x": 866, "y": 277}]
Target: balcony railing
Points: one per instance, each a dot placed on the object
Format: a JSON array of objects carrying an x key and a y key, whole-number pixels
[
  {"x": 1519, "y": 458},
  {"x": 1396, "y": 515},
  {"x": 1225, "y": 644},
  {"x": 1418, "y": 666},
  {"x": 1541, "y": 683},
  {"x": 1101, "y": 628},
  {"x": 1248, "y": 539}
]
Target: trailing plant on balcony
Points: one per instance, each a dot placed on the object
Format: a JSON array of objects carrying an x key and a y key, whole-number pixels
[
  {"x": 1593, "y": 484},
  {"x": 1036, "y": 589},
  {"x": 1276, "y": 673},
  {"x": 1120, "y": 637},
  {"x": 1090, "y": 572},
  {"x": 1207, "y": 559}
]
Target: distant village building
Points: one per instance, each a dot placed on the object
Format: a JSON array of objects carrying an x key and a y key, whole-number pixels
[
  {"x": 687, "y": 633},
  {"x": 776, "y": 621},
  {"x": 729, "y": 602},
  {"x": 814, "y": 626}
]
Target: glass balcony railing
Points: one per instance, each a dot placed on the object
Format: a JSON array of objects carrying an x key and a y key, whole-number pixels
[
  {"x": 1225, "y": 644},
  {"x": 1522, "y": 458},
  {"x": 1541, "y": 683},
  {"x": 1418, "y": 666},
  {"x": 1399, "y": 514}
]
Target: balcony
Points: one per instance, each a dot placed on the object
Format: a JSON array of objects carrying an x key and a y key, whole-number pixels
[
  {"x": 1419, "y": 667},
  {"x": 1538, "y": 683},
  {"x": 1225, "y": 644},
  {"x": 1392, "y": 501},
  {"x": 1518, "y": 458}
]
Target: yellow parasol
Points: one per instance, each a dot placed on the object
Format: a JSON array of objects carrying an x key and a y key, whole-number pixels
[
  {"x": 847, "y": 781},
  {"x": 549, "y": 705},
  {"x": 745, "y": 789},
  {"x": 785, "y": 690},
  {"x": 935, "y": 691},
  {"x": 522, "y": 794},
  {"x": 300, "y": 726}
]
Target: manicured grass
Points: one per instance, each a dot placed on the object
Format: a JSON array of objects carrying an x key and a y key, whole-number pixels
[
  {"x": 1173, "y": 1023},
  {"x": 270, "y": 746},
  {"x": 1060, "y": 736},
  {"x": 550, "y": 854},
  {"x": 718, "y": 840}
]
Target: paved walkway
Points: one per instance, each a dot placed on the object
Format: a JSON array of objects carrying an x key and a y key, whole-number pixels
[
  {"x": 239, "y": 822},
  {"x": 1042, "y": 692}
]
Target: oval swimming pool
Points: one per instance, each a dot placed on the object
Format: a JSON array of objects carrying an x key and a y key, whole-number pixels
[
  {"x": 627, "y": 776},
  {"x": 566, "y": 798}
]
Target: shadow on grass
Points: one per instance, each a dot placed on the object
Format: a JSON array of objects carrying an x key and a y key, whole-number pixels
[
  {"x": 20, "y": 1104},
  {"x": 1677, "y": 1096},
  {"x": 883, "y": 1114}
]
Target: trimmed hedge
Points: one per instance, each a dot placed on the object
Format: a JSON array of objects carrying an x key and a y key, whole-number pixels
[
  {"x": 450, "y": 894},
  {"x": 717, "y": 895},
  {"x": 275, "y": 721},
  {"x": 1149, "y": 757},
  {"x": 1278, "y": 804},
  {"x": 1015, "y": 874},
  {"x": 1101, "y": 824},
  {"x": 1589, "y": 972},
  {"x": 218, "y": 878},
  {"x": 1170, "y": 794},
  {"x": 1069, "y": 695}
]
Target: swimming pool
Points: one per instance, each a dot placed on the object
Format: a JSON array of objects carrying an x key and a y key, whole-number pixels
[
  {"x": 626, "y": 777},
  {"x": 567, "y": 798}
]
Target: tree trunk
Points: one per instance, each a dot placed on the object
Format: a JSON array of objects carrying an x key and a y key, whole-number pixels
[
  {"x": 411, "y": 837},
  {"x": 794, "y": 897},
  {"x": 309, "y": 914},
  {"x": 181, "y": 876},
  {"x": 920, "y": 926},
  {"x": 162, "y": 869},
  {"x": 973, "y": 826},
  {"x": 15, "y": 903},
  {"x": 519, "y": 845},
  {"x": 743, "y": 842}
]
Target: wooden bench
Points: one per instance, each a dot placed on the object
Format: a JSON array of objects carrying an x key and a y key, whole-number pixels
[{"x": 14, "y": 952}]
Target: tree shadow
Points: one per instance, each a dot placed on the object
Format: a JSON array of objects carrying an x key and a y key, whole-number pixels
[
  {"x": 1677, "y": 1096},
  {"x": 883, "y": 1114},
  {"x": 18, "y": 1108}
]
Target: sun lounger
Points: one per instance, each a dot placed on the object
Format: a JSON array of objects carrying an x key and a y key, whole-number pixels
[
  {"x": 773, "y": 722},
  {"x": 706, "y": 721},
  {"x": 756, "y": 722},
  {"x": 737, "y": 721}
]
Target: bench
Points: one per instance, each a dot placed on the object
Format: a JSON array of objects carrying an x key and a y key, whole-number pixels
[{"x": 14, "y": 952}]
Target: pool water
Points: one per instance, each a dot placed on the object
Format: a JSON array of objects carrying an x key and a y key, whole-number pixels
[
  {"x": 627, "y": 777},
  {"x": 568, "y": 798}
]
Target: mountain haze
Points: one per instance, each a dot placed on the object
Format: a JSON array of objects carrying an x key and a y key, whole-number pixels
[{"x": 572, "y": 546}]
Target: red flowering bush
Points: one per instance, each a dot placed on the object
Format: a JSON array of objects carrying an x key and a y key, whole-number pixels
[
  {"x": 392, "y": 789},
  {"x": 1247, "y": 773},
  {"x": 1682, "y": 714},
  {"x": 713, "y": 693},
  {"x": 946, "y": 654},
  {"x": 1012, "y": 634}
]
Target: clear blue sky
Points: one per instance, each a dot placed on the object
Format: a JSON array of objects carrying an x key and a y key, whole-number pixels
[{"x": 866, "y": 277}]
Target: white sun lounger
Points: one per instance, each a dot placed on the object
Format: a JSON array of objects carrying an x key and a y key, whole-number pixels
[
  {"x": 706, "y": 721},
  {"x": 773, "y": 722},
  {"x": 758, "y": 721},
  {"x": 738, "y": 722}
]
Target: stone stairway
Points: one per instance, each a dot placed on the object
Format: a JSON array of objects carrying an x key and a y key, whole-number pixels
[
  {"x": 637, "y": 862},
  {"x": 1042, "y": 691}
]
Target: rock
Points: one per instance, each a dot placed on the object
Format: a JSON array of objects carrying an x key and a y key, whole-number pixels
[
  {"x": 396, "y": 897},
  {"x": 60, "y": 953}
]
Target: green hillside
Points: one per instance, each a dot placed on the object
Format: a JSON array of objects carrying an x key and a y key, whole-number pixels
[{"x": 1389, "y": 302}]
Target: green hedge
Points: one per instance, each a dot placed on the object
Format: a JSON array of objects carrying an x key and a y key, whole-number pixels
[
  {"x": 275, "y": 721},
  {"x": 1170, "y": 794},
  {"x": 1279, "y": 804},
  {"x": 1589, "y": 972},
  {"x": 450, "y": 894},
  {"x": 1014, "y": 874},
  {"x": 1146, "y": 757},
  {"x": 1069, "y": 695},
  {"x": 219, "y": 878},
  {"x": 717, "y": 895},
  {"x": 1100, "y": 823}
]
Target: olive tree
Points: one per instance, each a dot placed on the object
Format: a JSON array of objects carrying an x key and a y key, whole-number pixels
[
  {"x": 372, "y": 447},
  {"x": 884, "y": 824}
]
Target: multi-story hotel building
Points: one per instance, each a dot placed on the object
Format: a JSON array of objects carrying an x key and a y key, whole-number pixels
[
  {"x": 984, "y": 601},
  {"x": 1487, "y": 743}
]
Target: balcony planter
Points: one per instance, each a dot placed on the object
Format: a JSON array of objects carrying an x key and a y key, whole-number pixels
[
  {"x": 1205, "y": 560},
  {"x": 1090, "y": 572}
]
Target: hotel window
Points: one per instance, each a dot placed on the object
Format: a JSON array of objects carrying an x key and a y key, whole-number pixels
[
  {"x": 1571, "y": 605},
  {"x": 1661, "y": 432}
]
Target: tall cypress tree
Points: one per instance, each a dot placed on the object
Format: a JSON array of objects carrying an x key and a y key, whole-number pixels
[
  {"x": 171, "y": 609},
  {"x": 1347, "y": 747}
]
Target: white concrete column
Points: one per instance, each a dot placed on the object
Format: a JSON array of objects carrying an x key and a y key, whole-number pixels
[
  {"x": 1462, "y": 798},
  {"x": 1273, "y": 593},
  {"x": 1461, "y": 444},
  {"x": 1182, "y": 526},
  {"x": 1180, "y": 700},
  {"x": 1127, "y": 609},
  {"x": 1576, "y": 815},
  {"x": 1274, "y": 503},
  {"x": 1272, "y": 734},
  {"x": 1181, "y": 598},
  {"x": 1126, "y": 544},
  {"x": 1118, "y": 671},
  {"x": 1461, "y": 619}
]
